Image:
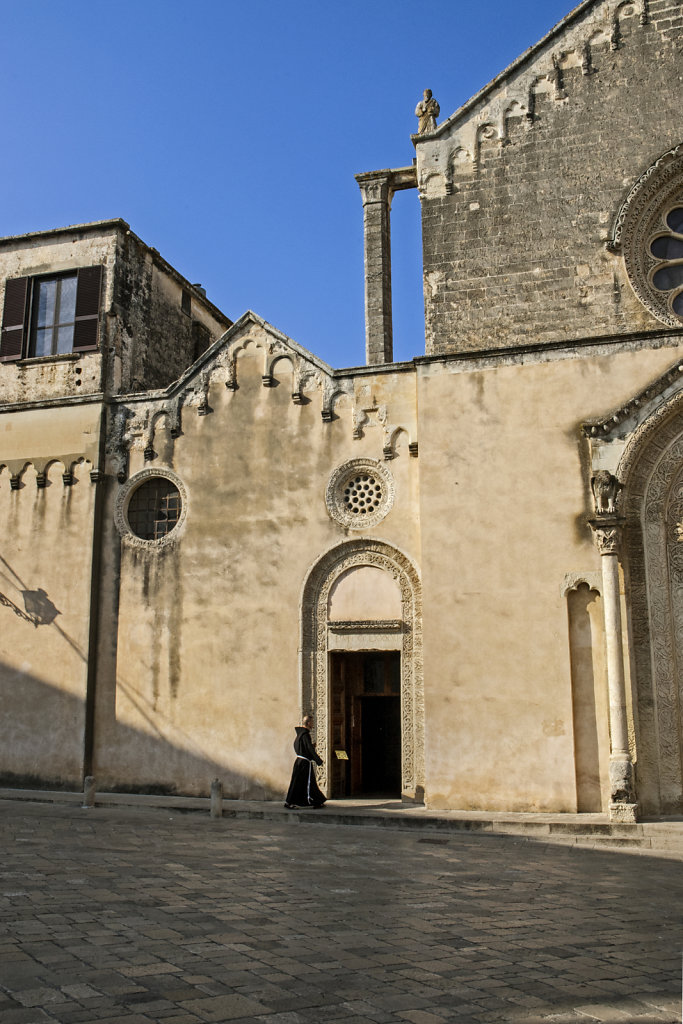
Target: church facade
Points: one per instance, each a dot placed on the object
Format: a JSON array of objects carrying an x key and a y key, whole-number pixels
[{"x": 467, "y": 567}]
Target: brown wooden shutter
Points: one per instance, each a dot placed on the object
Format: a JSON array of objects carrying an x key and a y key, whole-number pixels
[
  {"x": 87, "y": 308},
  {"x": 14, "y": 318}
]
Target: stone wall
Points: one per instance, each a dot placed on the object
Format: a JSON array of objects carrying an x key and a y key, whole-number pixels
[
  {"x": 154, "y": 330},
  {"x": 521, "y": 188},
  {"x": 152, "y": 322},
  {"x": 50, "y": 377}
]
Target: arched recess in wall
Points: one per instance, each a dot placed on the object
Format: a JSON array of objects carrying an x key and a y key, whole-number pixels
[
  {"x": 590, "y": 705},
  {"x": 651, "y": 471},
  {"x": 315, "y": 627}
]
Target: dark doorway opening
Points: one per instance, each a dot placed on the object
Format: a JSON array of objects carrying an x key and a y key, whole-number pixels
[{"x": 366, "y": 724}]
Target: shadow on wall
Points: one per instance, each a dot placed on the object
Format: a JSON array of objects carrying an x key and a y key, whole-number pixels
[
  {"x": 41, "y": 747},
  {"x": 38, "y": 608},
  {"x": 42, "y": 728}
]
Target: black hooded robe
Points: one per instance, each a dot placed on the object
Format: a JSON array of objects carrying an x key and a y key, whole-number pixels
[{"x": 303, "y": 789}]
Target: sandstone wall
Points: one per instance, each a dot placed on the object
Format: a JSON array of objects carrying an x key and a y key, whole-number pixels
[
  {"x": 503, "y": 506},
  {"x": 200, "y": 675},
  {"x": 520, "y": 191}
]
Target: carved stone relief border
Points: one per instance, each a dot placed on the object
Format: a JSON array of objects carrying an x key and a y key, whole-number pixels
[
  {"x": 649, "y": 470},
  {"x": 314, "y": 649}
]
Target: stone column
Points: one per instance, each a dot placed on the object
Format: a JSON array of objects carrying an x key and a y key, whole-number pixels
[
  {"x": 377, "y": 194},
  {"x": 607, "y": 535}
]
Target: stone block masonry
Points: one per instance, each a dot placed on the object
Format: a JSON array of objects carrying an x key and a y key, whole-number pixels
[{"x": 515, "y": 230}]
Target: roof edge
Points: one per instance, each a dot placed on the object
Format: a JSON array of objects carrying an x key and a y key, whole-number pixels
[
  {"x": 518, "y": 63},
  {"x": 117, "y": 224}
]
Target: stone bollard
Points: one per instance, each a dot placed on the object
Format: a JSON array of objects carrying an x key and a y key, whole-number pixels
[
  {"x": 216, "y": 799},
  {"x": 89, "y": 791}
]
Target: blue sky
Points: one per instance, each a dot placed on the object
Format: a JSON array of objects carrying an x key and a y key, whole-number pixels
[{"x": 227, "y": 134}]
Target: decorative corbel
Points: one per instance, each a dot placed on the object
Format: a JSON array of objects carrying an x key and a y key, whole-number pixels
[
  {"x": 231, "y": 379},
  {"x": 605, "y": 488},
  {"x": 119, "y": 449},
  {"x": 615, "y": 37},
  {"x": 360, "y": 418},
  {"x": 586, "y": 59},
  {"x": 174, "y": 412},
  {"x": 557, "y": 78}
]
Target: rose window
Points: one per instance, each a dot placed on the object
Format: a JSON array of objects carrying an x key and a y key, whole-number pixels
[
  {"x": 667, "y": 274},
  {"x": 360, "y": 493},
  {"x": 363, "y": 494}
]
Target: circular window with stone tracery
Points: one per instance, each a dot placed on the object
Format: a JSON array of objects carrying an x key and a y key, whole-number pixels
[
  {"x": 667, "y": 249},
  {"x": 649, "y": 231},
  {"x": 360, "y": 493}
]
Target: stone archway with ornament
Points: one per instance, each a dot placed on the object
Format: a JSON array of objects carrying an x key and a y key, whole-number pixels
[
  {"x": 316, "y": 640},
  {"x": 651, "y": 475}
]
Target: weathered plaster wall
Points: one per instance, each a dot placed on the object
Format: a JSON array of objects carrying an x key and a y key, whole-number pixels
[
  {"x": 204, "y": 677},
  {"x": 30, "y": 380},
  {"x": 520, "y": 191},
  {"x": 45, "y": 567},
  {"x": 153, "y": 323},
  {"x": 504, "y": 501},
  {"x": 152, "y": 335}
]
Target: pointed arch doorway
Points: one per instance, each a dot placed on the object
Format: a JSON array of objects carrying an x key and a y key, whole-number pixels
[{"x": 361, "y": 670}]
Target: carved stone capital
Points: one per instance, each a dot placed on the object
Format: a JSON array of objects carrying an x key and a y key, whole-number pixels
[
  {"x": 607, "y": 530},
  {"x": 374, "y": 187}
]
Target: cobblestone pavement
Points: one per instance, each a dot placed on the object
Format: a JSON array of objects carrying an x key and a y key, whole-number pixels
[{"x": 127, "y": 915}]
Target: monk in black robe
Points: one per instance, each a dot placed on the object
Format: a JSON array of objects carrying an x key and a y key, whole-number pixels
[{"x": 303, "y": 789}]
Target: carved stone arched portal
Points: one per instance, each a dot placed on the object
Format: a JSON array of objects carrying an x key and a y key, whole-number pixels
[
  {"x": 651, "y": 470},
  {"x": 315, "y": 648}
]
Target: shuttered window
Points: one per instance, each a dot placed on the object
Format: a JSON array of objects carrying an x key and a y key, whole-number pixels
[
  {"x": 51, "y": 315},
  {"x": 14, "y": 318}
]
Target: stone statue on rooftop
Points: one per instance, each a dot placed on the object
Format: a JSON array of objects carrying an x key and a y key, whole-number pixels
[{"x": 426, "y": 112}]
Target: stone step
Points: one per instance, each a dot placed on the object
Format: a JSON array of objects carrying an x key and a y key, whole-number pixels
[{"x": 593, "y": 830}]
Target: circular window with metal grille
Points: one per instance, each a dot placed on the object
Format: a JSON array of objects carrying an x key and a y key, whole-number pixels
[
  {"x": 360, "y": 494},
  {"x": 151, "y": 507}
]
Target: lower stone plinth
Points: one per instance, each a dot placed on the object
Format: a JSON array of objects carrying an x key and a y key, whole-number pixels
[{"x": 623, "y": 812}]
